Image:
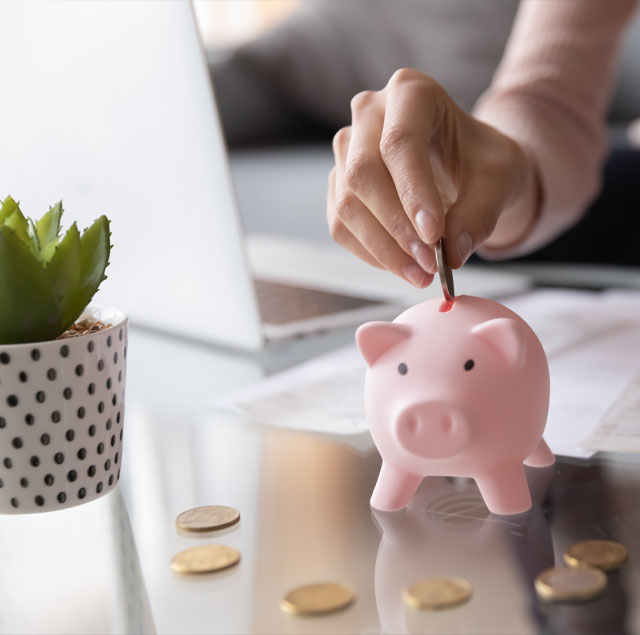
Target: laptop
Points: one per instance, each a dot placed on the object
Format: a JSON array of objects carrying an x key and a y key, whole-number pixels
[{"x": 109, "y": 106}]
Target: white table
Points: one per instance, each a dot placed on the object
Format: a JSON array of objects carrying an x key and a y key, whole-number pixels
[{"x": 104, "y": 567}]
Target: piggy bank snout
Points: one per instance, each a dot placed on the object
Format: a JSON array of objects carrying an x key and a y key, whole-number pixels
[{"x": 432, "y": 430}]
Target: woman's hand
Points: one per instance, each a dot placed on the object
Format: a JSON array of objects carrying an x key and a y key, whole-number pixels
[{"x": 413, "y": 167}]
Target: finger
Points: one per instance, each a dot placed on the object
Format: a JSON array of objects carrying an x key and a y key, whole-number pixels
[
  {"x": 367, "y": 177},
  {"x": 472, "y": 219},
  {"x": 340, "y": 144},
  {"x": 338, "y": 230},
  {"x": 349, "y": 211},
  {"x": 413, "y": 105}
]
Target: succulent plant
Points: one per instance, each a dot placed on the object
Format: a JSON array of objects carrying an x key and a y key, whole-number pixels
[{"x": 46, "y": 280}]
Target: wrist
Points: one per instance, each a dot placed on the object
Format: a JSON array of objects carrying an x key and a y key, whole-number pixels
[{"x": 523, "y": 209}]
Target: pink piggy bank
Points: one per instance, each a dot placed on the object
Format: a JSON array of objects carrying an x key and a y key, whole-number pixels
[{"x": 456, "y": 388}]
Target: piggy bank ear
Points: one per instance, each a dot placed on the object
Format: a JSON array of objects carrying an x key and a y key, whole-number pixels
[
  {"x": 376, "y": 338},
  {"x": 506, "y": 336}
]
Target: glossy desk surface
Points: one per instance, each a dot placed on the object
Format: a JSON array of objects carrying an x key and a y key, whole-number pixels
[{"x": 104, "y": 567}]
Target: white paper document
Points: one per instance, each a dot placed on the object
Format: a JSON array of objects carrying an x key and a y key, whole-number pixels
[
  {"x": 592, "y": 341},
  {"x": 323, "y": 395},
  {"x": 620, "y": 425}
]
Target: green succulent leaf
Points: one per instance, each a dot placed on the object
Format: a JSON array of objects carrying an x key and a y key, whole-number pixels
[
  {"x": 77, "y": 267},
  {"x": 33, "y": 234},
  {"x": 46, "y": 281},
  {"x": 29, "y": 307},
  {"x": 8, "y": 207},
  {"x": 95, "y": 247},
  {"x": 48, "y": 227},
  {"x": 19, "y": 224},
  {"x": 47, "y": 253},
  {"x": 63, "y": 272}
]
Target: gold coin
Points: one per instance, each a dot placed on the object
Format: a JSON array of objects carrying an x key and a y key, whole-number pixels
[
  {"x": 317, "y": 599},
  {"x": 575, "y": 584},
  {"x": 207, "y": 518},
  {"x": 602, "y": 554},
  {"x": 438, "y": 593},
  {"x": 205, "y": 559}
]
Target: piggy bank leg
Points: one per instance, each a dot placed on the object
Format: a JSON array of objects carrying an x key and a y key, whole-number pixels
[
  {"x": 394, "y": 489},
  {"x": 505, "y": 490},
  {"x": 542, "y": 456}
]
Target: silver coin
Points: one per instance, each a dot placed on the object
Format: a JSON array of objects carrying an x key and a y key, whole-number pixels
[{"x": 444, "y": 270}]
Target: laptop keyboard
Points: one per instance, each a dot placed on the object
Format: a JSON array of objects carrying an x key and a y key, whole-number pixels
[{"x": 284, "y": 303}]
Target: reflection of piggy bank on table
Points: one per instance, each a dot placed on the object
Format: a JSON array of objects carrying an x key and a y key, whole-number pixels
[
  {"x": 447, "y": 531},
  {"x": 456, "y": 388}
]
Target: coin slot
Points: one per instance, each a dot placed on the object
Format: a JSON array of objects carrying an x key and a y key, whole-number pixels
[{"x": 446, "y": 306}]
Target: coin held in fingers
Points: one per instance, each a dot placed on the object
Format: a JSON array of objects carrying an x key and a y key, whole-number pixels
[
  {"x": 208, "y": 518},
  {"x": 444, "y": 271}
]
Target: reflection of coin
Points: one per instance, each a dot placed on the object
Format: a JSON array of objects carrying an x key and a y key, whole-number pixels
[
  {"x": 444, "y": 271},
  {"x": 602, "y": 554},
  {"x": 315, "y": 599},
  {"x": 570, "y": 584},
  {"x": 438, "y": 593},
  {"x": 205, "y": 559},
  {"x": 207, "y": 518}
]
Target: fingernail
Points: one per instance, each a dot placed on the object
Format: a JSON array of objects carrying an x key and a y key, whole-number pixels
[
  {"x": 424, "y": 256},
  {"x": 414, "y": 274},
  {"x": 464, "y": 245},
  {"x": 427, "y": 225}
]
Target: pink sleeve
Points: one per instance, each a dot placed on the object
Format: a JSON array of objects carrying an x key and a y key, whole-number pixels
[{"x": 550, "y": 94}]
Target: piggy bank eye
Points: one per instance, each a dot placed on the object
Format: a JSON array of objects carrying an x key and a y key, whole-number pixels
[
  {"x": 402, "y": 368},
  {"x": 469, "y": 364}
]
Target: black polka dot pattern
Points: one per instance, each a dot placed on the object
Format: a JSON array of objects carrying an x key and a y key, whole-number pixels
[{"x": 62, "y": 412}]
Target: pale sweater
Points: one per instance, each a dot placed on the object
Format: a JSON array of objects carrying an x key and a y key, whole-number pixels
[{"x": 550, "y": 94}]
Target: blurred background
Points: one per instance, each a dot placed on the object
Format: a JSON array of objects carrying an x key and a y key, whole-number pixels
[
  {"x": 229, "y": 23},
  {"x": 284, "y": 72}
]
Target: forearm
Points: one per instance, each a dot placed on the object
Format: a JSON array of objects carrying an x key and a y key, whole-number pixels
[{"x": 550, "y": 96}]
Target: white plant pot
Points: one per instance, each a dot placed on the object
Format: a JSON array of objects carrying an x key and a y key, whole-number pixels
[{"x": 61, "y": 417}]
